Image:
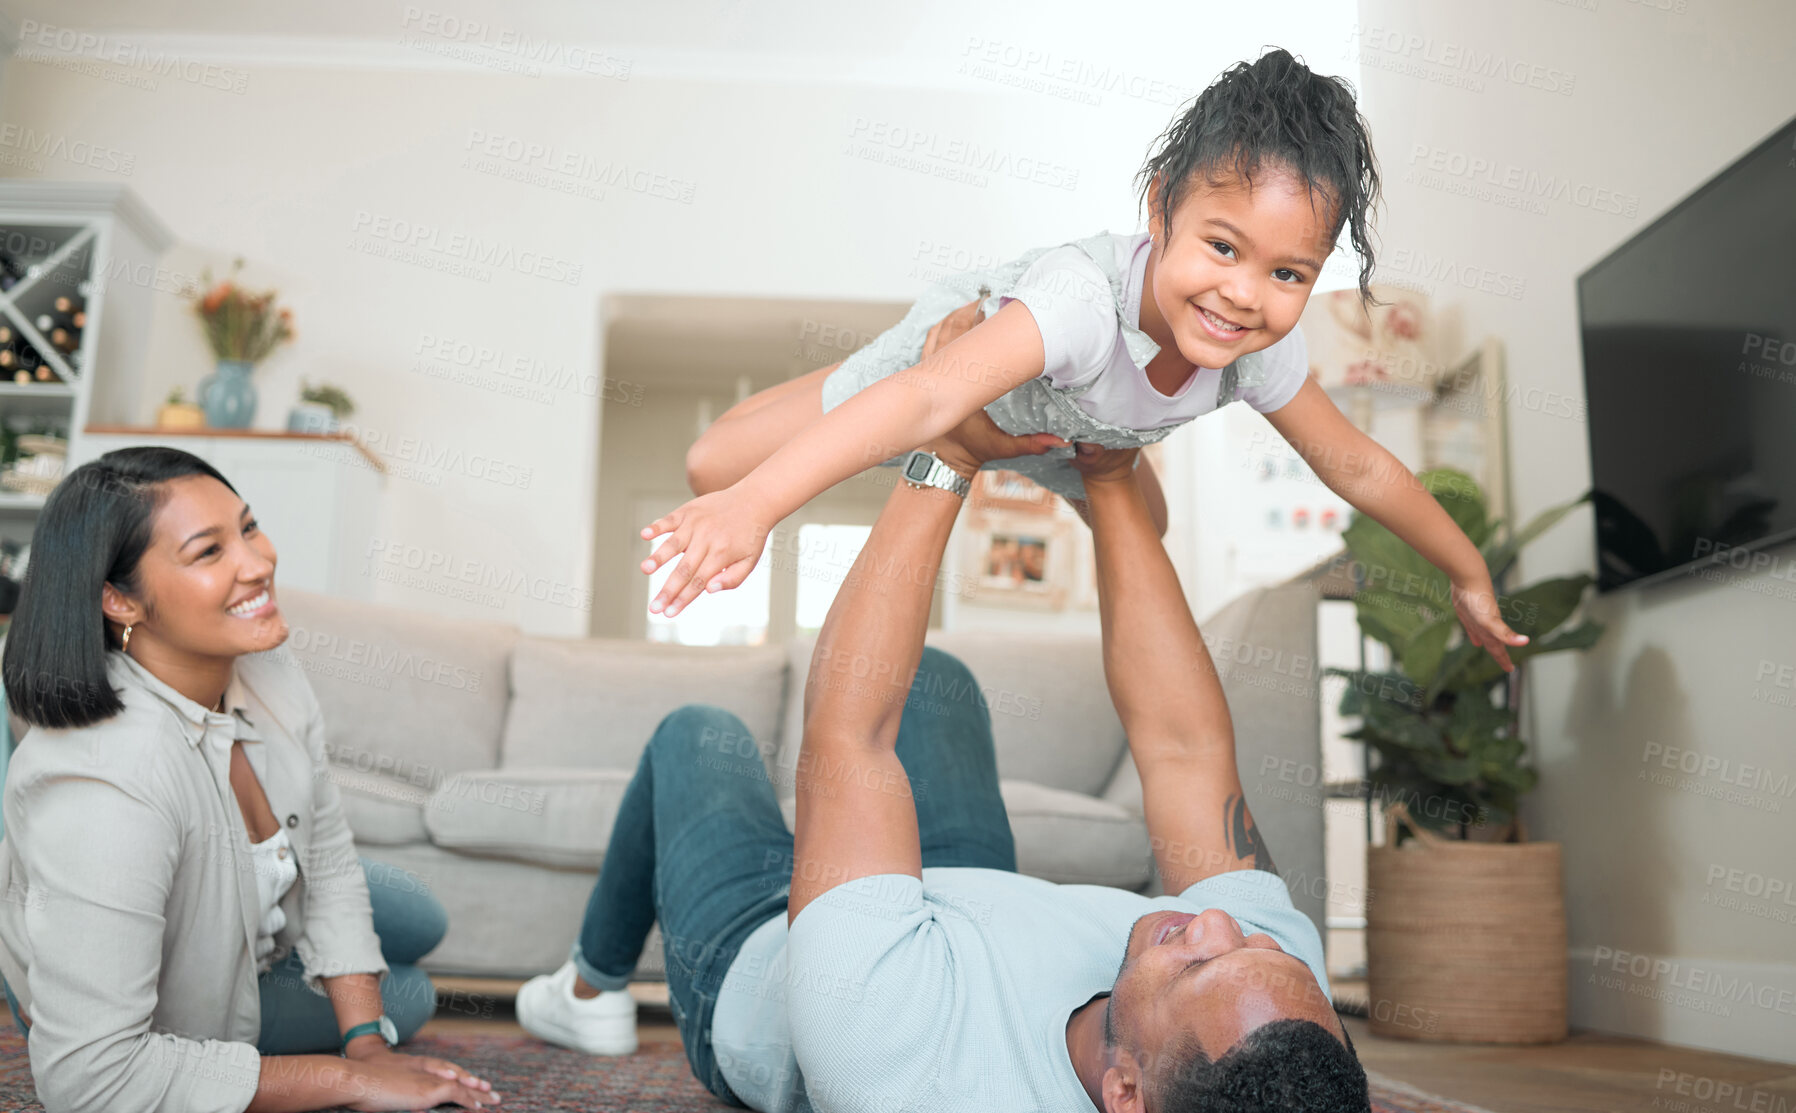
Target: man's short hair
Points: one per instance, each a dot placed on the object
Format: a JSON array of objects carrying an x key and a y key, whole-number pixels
[{"x": 1285, "y": 1066}]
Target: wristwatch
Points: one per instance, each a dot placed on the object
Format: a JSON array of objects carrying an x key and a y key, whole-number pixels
[
  {"x": 383, "y": 1026},
  {"x": 924, "y": 469}
]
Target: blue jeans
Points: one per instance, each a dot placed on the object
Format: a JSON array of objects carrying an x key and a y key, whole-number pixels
[
  {"x": 409, "y": 922},
  {"x": 700, "y": 845}
]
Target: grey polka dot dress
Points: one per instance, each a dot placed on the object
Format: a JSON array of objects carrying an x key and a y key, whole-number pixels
[{"x": 1036, "y": 406}]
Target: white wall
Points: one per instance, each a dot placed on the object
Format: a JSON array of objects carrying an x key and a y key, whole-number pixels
[
  {"x": 330, "y": 146},
  {"x": 1662, "y": 94}
]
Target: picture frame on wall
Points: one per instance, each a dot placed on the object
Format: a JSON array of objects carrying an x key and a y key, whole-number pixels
[
  {"x": 998, "y": 490},
  {"x": 1022, "y": 560}
]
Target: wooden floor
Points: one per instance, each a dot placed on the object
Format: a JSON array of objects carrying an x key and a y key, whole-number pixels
[{"x": 1588, "y": 1073}]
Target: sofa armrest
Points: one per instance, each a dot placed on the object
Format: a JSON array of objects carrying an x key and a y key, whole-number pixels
[{"x": 1264, "y": 645}]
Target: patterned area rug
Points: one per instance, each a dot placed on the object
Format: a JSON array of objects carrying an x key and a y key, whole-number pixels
[{"x": 537, "y": 1078}]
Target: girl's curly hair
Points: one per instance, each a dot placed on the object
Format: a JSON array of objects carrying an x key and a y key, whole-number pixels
[{"x": 1275, "y": 112}]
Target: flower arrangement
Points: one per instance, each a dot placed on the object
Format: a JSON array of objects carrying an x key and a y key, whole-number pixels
[{"x": 241, "y": 324}]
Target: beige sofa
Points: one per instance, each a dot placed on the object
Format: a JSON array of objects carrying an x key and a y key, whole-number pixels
[{"x": 491, "y": 764}]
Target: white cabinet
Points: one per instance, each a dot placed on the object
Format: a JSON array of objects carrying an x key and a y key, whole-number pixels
[{"x": 315, "y": 497}]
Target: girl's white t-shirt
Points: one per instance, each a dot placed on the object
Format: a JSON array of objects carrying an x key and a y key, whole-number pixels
[{"x": 1073, "y": 306}]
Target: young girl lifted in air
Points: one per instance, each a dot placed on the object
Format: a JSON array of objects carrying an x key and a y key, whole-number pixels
[{"x": 1112, "y": 340}]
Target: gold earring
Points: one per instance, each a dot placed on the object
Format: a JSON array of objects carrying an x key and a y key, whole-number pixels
[{"x": 127, "y": 638}]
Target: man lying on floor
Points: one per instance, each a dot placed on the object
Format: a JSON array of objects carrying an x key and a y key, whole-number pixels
[{"x": 888, "y": 957}]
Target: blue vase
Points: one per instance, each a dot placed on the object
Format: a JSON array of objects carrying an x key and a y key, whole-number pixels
[{"x": 228, "y": 396}]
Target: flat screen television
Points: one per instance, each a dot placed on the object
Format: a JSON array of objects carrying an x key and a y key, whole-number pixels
[{"x": 1689, "y": 345}]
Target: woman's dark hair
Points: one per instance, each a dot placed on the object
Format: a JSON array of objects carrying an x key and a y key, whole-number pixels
[
  {"x": 92, "y": 531},
  {"x": 1274, "y": 112}
]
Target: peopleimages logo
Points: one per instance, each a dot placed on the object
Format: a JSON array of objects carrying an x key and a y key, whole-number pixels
[
  {"x": 423, "y": 238},
  {"x": 384, "y": 660}
]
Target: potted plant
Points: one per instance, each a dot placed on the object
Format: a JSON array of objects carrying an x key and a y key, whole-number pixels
[
  {"x": 242, "y": 328},
  {"x": 319, "y": 409},
  {"x": 178, "y": 413},
  {"x": 1465, "y": 934}
]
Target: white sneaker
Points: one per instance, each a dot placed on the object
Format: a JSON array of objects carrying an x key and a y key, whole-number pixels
[{"x": 602, "y": 1025}]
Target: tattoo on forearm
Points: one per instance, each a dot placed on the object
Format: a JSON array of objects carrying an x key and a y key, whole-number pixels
[{"x": 1244, "y": 835}]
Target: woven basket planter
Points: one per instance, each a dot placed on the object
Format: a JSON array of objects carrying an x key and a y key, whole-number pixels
[{"x": 1465, "y": 942}]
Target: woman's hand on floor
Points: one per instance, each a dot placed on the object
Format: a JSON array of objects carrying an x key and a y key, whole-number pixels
[
  {"x": 371, "y": 1049},
  {"x": 390, "y": 1081}
]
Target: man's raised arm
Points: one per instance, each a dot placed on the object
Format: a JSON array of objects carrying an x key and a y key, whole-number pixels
[
  {"x": 856, "y": 817},
  {"x": 1165, "y": 688}
]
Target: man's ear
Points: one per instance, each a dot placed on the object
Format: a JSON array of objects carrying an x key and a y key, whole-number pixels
[{"x": 1122, "y": 1086}]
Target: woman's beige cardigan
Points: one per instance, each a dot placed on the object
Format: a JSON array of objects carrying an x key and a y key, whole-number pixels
[{"x": 129, "y": 922}]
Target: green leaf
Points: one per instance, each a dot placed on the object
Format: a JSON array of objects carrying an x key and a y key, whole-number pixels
[
  {"x": 1582, "y": 636},
  {"x": 1460, "y": 496},
  {"x": 1400, "y": 615},
  {"x": 1403, "y": 726},
  {"x": 1421, "y": 655},
  {"x": 1387, "y": 564},
  {"x": 1365, "y": 688},
  {"x": 1371, "y": 625},
  {"x": 1499, "y": 556},
  {"x": 1448, "y": 770},
  {"x": 1517, "y": 778},
  {"x": 1539, "y": 608},
  {"x": 1475, "y": 722}
]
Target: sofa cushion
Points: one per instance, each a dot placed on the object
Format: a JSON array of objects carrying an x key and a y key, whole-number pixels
[
  {"x": 1066, "y": 837},
  {"x": 406, "y": 695},
  {"x": 594, "y": 703},
  {"x": 1052, "y": 720},
  {"x": 1075, "y": 839},
  {"x": 549, "y": 816},
  {"x": 381, "y": 811}
]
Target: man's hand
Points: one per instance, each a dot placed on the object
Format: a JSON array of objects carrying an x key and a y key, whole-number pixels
[
  {"x": 967, "y": 446},
  {"x": 953, "y": 326},
  {"x": 1098, "y": 464}
]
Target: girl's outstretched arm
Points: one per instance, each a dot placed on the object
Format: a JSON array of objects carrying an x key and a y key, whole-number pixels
[
  {"x": 722, "y": 534},
  {"x": 1375, "y": 482}
]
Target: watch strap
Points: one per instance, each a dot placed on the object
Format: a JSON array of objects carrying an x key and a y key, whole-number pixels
[{"x": 370, "y": 1028}]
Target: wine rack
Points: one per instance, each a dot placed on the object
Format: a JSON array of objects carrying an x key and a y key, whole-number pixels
[{"x": 78, "y": 287}]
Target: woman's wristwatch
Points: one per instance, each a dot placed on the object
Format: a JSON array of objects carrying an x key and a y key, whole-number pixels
[
  {"x": 382, "y": 1027},
  {"x": 925, "y": 469}
]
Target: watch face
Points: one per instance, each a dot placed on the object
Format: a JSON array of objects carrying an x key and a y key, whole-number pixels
[{"x": 917, "y": 467}]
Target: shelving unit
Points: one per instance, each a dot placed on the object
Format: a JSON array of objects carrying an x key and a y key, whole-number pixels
[{"x": 97, "y": 240}]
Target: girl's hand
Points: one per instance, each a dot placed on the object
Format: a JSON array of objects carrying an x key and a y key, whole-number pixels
[
  {"x": 390, "y": 1081},
  {"x": 721, "y": 537},
  {"x": 1475, "y": 601}
]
